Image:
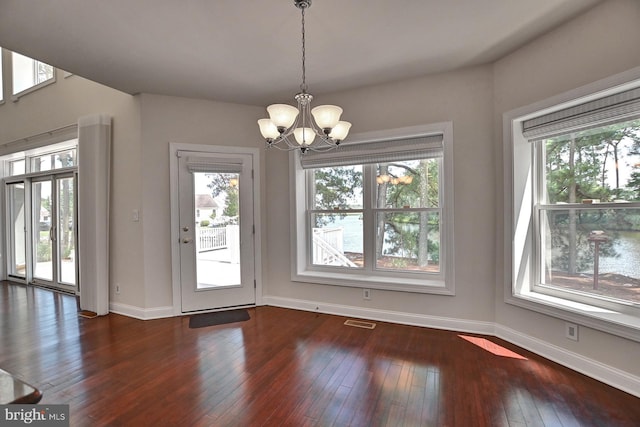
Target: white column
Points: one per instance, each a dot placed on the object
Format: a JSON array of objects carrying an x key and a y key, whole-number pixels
[{"x": 94, "y": 164}]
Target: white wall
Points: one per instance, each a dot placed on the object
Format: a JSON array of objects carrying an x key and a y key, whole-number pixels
[
  {"x": 464, "y": 97},
  {"x": 168, "y": 119},
  {"x": 602, "y": 42},
  {"x": 61, "y": 104}
]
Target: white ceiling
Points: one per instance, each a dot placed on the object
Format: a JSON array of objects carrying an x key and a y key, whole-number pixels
[{"x": 250, "y": 51}]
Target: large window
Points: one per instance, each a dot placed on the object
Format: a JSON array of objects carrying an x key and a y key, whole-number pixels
[
  {"x": 375, "y": 213},
  {"x": 29, "y": 74},
  {"x": 588, "y": 214},
  {"x": 576, "y": 208}
]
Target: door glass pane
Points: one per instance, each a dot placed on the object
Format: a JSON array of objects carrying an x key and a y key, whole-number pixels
[
  {"x": 66, "y": 231},
  {"x": 42, "y": 247},
  {"x": 16, "y": 211},
  {"x": 217, "y": 221}
]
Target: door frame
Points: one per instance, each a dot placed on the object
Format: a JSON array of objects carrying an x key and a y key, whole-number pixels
[{"x": 175, "y": 214}]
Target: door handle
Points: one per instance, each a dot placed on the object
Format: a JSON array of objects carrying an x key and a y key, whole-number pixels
[
  {"x": 186, "y": 240},
  {"x": 185, "y": 228}
]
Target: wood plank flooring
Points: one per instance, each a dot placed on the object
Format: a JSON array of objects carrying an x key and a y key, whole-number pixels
[{"x": 287, "y": 368}]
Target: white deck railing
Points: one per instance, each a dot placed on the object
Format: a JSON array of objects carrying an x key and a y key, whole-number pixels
[
  {"x": 211, "y": 238},
  {"x": 328, "y": 249}
]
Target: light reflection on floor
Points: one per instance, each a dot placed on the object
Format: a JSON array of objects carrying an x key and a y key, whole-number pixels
[{"x": 492, "y": 347}]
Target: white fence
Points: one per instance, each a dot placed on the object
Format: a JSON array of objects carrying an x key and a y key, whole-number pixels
[{"x": 211, "y": 238}]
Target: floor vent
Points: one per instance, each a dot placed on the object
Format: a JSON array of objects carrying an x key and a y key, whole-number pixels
[{"x": 360, "y": 324}]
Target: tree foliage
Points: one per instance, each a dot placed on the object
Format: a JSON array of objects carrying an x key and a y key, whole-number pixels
[{"x": 226, "y": 184}]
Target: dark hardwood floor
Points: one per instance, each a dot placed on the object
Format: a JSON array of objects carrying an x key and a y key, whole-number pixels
[{"x": 287, "y": 368}]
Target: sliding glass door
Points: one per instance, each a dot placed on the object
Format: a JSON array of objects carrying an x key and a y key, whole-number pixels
[{"x": 41, "y": 230}]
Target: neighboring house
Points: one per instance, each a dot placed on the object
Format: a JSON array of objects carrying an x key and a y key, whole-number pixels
[
  {"x": 45, "y": 217},
  {"x": 206, "y": 208}
]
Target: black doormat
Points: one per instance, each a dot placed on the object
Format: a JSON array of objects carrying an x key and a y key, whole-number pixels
[{"x": 218, "y": 318}]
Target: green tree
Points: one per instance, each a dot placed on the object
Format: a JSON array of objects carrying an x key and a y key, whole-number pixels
[
  {"x": 336, "y": 188},
  {"x": 232, "y": 207}
]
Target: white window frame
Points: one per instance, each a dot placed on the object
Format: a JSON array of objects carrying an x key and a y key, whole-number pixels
[
  {"x": 520, "y": 253},
  {"x": 303, "y": 271},
  {"x": 2, "y": 74},
  {"x": 16, "y": 96}
]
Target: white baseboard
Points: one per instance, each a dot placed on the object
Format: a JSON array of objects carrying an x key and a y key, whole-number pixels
[
  {"x": 423, "y": 320},
  {"x": 607, "y": 374},
  {"x": 589, "y": 367},
  {"x": 140, "y": 313}
]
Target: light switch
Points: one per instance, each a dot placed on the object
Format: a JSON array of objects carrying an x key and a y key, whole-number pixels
[{"x": 135, "y": 215}]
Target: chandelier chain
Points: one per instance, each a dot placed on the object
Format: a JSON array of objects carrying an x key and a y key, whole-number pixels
[
  {"x": 303, "y": 86},
  {"x": 318, "y": 129}
]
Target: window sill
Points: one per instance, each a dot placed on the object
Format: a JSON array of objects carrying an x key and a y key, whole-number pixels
[
  {"x": 16, "y": 96},
  {"x": 423, "y": 286},
  {"x": 602, "y": 319}
]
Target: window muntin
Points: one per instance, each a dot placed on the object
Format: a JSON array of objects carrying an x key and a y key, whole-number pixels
[
  {"x": 588, "y": 214},
  {"x": 29, "y": 73}
]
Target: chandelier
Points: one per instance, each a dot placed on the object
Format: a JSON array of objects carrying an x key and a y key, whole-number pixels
[{"x": 315, "y": 129}]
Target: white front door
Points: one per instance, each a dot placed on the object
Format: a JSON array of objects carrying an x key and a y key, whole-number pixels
[{"x": 215, "y": 192}]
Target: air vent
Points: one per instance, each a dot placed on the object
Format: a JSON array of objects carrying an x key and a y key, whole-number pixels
[{"x": 360, "y": 324}]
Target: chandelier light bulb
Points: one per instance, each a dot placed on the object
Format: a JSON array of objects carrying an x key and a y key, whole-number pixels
[
  {"x": 304, "y": 136},
  {"x": 282, "y": 115},
  {"x": 340, "y": 131},
  {"x": 268, "y": 129},
  {"x": 326, "y": 116}
]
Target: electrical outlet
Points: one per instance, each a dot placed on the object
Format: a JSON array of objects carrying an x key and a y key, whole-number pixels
[
  {"x": 571, "y": 331},
  {"x": 118, "y": 289},
  {"x": 366, "y": 294}
]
